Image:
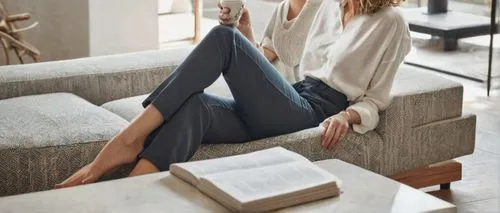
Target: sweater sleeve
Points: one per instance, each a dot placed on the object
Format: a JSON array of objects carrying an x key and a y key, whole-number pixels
[
  {"x": 377, "y": 96},
  {"x": 267, "y": 40}
]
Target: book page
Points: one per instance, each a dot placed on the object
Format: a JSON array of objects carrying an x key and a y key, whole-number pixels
[
  {"x": 269, "y": 182},
  {"x": 196, "y": 169}
]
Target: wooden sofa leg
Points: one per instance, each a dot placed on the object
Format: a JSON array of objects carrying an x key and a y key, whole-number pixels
[
  {"x": 445, "y": 186},
  {"x": 436, "y": 174}
]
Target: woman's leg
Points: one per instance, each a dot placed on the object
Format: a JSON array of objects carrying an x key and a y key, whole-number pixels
[
  {"x": 253, "y": 81},
  {"x": 265, "y": 105},
  {"x": 143, "y": 167},
  {"x": 123, "y": 148},
  {"x": 202, "y": 118},
  {"x": 199, "y": 70},
  {"x": 264, "y": 100}
]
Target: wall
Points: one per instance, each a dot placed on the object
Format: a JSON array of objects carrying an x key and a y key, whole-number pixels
[
  {"x": 119, "y": 26},
  {"x": 62, "y": 32},
  {"x": 81, "y": 28}
]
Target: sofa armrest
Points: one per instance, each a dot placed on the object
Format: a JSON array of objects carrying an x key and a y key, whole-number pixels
[
  {"x": 97, "y": 79},
  {"x": 419, "y": 98}
]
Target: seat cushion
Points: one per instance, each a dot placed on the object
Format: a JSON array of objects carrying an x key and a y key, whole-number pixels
[
  {"x": 128, "y": 108},
  {"x": 42, "y": 135},
  {"x": 364, "y": 150}
]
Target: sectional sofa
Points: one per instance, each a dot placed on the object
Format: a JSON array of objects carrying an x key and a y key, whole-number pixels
[{"x": 56, "y": 116}]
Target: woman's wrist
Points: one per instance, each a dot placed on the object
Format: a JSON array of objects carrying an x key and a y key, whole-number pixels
[
  {"x": 353, "y": 116},
  {"x": 347, "y": 116}
]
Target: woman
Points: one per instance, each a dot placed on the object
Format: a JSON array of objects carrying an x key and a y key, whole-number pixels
[{"x": 351, "y": 56}]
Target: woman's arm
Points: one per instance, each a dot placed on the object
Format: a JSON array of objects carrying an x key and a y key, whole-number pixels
[
  {"x": 267, "y": 40},
  {"x": 393, "y": 38},
  {"x": 244, "y": 25},
  {"x": 270, "y": 55}
]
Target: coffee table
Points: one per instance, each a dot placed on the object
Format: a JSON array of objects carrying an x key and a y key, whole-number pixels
[{"x": 363, "y": 191}]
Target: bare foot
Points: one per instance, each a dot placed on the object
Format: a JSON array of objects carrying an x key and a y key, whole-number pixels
[
  {"x": 117, "y": 152},
  {"x": 85, "y": 173}
]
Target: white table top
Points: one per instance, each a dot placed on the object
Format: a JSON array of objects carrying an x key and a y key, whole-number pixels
[
  {"x": 363, "y": 191},
  {"x": 444, "y": 21}
]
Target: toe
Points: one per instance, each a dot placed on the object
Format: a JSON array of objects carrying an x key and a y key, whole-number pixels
[
  {"x": 67, "y": 183},
  {"x": 89, "y": 179},
  {"x": 73, "y": 180}
]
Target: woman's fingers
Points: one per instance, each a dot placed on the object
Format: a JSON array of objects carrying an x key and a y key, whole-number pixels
[
  {"x": 339, "y": 131},
  {"x": 323, "y": 131},
  {"x": 224, "y": 15},
  {"x": 324, "y": 127},
  {"x": 329, "y": 134},
  {"x": 334, "y": 129},
  {"x": 226, "y": 10},
  {"x": 342, "y": 135}
]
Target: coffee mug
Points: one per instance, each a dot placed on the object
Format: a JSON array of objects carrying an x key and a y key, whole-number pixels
[{"x": 236, "y": 7}]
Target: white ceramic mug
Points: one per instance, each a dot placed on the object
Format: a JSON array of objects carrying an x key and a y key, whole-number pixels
[{"x": 236, "y": 7}]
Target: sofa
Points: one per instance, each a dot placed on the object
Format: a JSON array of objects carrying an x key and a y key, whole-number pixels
[{"x": 56, "y": 116}]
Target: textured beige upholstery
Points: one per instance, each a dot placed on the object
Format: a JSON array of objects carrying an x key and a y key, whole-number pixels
[
  {"x": 96, "y": 79},
  {"x": 43, "y": 138}
]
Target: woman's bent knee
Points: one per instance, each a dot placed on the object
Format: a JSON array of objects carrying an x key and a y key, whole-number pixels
[{"x": 224, "y": 29}]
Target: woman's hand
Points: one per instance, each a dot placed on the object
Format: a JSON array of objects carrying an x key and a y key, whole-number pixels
[
  {"x": 334, "y": 129},
  {"x": 244, "y": 25}
]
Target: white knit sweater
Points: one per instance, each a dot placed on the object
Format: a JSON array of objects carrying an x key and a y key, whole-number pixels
[{"x": 287, "y": 38}]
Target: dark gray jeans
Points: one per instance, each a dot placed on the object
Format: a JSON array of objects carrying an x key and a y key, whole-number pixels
[{"x": 264, "y": 103}]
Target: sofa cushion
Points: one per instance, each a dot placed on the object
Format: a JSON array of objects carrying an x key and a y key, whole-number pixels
[
  {"x": 364, "y": 150},
  {"x": 128, "y": 108},
  {"x": 41, "y": 133},
  {"x": 96, "y": 79}
]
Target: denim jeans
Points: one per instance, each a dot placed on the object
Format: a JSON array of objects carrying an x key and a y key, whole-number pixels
[{"x": 263, "y": 104}]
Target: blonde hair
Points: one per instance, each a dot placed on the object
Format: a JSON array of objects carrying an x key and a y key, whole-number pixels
[{"x": 373, "y": 6}]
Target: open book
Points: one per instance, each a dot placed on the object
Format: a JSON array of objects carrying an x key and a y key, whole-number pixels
[{"x": 259, "y": 181}]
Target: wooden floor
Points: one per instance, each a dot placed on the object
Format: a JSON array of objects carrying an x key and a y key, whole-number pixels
[{"x": 479, "y": 189}]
